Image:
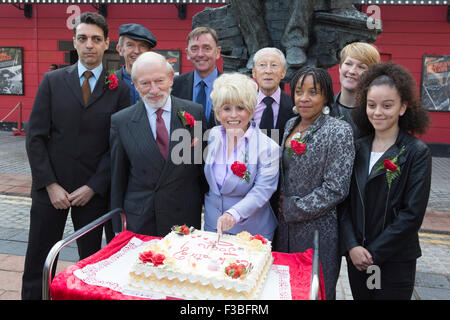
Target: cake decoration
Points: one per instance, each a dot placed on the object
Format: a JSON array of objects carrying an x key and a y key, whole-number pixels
[
  {"x": 195, "y": 266},
  {"x": 183, "y": 230},
  {"x": 149, "y": 257}
]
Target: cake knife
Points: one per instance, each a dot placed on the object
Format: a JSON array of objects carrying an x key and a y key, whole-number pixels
[{"x": 218, "y": 238}]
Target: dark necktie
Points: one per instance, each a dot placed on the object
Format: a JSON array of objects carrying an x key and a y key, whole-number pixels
[
  {"x": 85, "y": 87},
  {"x": 201, "y": 97},
  {"x": 267, "y": 116},
  {"x": 162, "y": 137}
]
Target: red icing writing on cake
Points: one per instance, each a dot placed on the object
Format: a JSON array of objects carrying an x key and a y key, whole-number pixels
[{"x": 199, "y": 246}]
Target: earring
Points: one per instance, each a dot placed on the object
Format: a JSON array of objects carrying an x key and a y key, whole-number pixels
[
  {"x": 294, "y": 110},
  {"x": 326, "y": 110}
]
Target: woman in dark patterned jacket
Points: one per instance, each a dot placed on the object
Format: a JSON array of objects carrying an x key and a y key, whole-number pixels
[
  {"x": 316, "y": 167},
  {"x": 390, "y": 186}
]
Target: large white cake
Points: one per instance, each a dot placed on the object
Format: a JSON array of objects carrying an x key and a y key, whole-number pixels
[{"x": 194, "y": 266}]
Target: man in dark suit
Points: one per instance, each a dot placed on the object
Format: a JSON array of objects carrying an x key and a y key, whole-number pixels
[
  {"x": 203, "y": 52},
  {"x": 68, "y": 150},
  {"x": 274, "y": 106},
  {"x": 134, "y": 39},
  {"x": 156, "y": 178}
]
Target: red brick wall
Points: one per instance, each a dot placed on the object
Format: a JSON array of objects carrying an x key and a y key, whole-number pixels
[
  {"x": 409, "y": 32},
  {"x": 39, "y": 38}
]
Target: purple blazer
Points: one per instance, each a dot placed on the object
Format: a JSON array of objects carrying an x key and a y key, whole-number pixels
[{"x": 250, "y": 200}]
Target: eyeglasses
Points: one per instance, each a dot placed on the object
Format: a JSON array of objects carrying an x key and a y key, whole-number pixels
[
  {"x": 144, "y": 84},
  {"x": 265, "y": 66}
]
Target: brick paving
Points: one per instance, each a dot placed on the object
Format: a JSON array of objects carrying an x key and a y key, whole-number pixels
[{"x": 433, "y": 268}]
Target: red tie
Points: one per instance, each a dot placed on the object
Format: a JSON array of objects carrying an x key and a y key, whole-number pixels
[{"x": 162, "y": 138}]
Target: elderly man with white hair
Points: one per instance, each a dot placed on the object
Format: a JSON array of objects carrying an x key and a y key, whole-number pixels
[
  {"x": 274, "y": 106},
  {"x": 154, "y": 189}
]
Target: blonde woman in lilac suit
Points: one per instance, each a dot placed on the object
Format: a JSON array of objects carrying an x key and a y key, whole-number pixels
[{"x": 239, "y": 201}]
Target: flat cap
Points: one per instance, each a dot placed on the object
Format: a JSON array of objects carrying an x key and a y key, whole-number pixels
[{"x": 137, "y": 32}]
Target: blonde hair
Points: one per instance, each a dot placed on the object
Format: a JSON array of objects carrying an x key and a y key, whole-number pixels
[
  {"x": 236, "y": 89},
  {"x": 364, "y": 52}
]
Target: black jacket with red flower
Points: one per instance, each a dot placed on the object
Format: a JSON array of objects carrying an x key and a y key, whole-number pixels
[{"x": 387, "y": 221}]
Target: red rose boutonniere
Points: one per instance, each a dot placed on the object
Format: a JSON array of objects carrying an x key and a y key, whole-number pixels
[
  {"x": 392, "y": 168},
  {"x": 241, "y": 171},
  {"x": 186, "y": 118},
  {"x": 298, "y": 145},
  {"x": 111, "y": 81}
]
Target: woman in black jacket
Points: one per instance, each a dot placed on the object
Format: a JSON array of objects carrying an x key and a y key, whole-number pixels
[{"x": 390, "y": 186}]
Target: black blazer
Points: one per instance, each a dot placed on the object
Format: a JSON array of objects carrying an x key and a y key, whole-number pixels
[
  {"x": 67, "y": 141},
  {"x": 183, "y": 87},
  {"x": 284, "y": 114},
  {"x": 156, "y": 193},
  {"x": 386, "y": 222}
]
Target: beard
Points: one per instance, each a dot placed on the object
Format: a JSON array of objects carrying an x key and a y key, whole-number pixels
[{"x": 160, "y": 103}]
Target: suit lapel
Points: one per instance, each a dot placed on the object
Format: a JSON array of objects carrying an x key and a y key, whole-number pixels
[
  {"x": 73, "y": 82},
  {"x": 175, "y": 121},
  {"x": 284, "y": 111},
  {"x": 214, "y": 143},
  {"x": 190, "y": 87},
  {"x": 141, "y": 131},
  {"x": 362, "y": 162},
  {"x": 390, "y": 153},
  {"x": 232, "y": 181},
  {"x": 287, "y": 131},
  {"x": 99, "y": 89}
]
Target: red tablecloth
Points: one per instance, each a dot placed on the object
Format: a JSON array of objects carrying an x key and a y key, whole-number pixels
[{"x": 66, "y": 286}]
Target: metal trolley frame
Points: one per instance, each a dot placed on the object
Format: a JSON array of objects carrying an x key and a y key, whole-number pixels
[{"x": 52, "y": 256}]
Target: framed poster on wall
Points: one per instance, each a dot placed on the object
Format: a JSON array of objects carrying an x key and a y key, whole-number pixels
[
  {"x": 173, "y": 57},
  {"x": 11, "y": 71},
  {"x": 435, "y": 86}
]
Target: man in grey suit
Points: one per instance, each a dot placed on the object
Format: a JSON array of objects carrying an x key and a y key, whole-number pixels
[
  {"x": 155, "y": 190},
  {"x": 203, "y": 52}
]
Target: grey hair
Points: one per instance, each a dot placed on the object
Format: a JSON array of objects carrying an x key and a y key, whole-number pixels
[
  {"x": 265, "y": 50},
  {"x": 121, "y": 40},
  {"x": 149, "y": 55}
]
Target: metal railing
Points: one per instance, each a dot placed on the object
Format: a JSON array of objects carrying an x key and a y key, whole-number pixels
[
  {"x": 315, "y": 277},
  {"x": 53, "y": 254}
]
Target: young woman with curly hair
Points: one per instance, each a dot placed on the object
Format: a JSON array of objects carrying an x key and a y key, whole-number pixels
[{"x": 390, "y": 186}]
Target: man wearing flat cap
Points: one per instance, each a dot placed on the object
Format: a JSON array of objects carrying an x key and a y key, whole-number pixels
[{"x": 134, "y": 39}]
